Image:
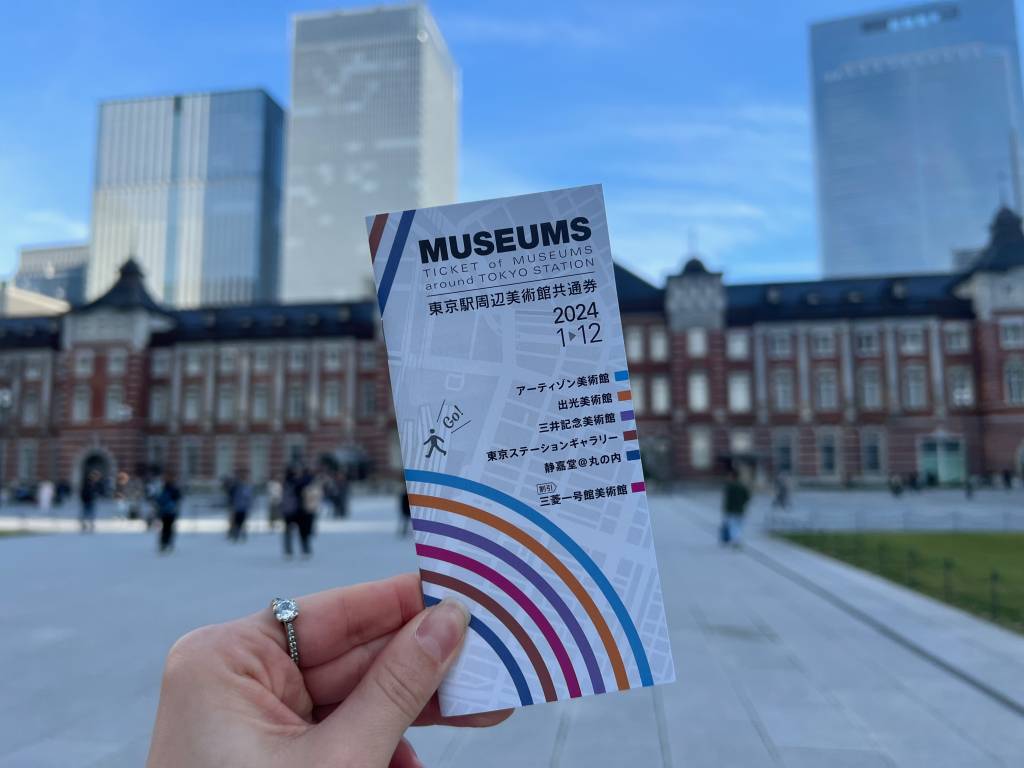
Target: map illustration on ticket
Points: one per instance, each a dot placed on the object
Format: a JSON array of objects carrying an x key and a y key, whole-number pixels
[{"x": 512, "y": 398}]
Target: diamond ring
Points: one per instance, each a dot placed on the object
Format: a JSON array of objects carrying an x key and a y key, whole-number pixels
[{"x": 286, "y": 612}]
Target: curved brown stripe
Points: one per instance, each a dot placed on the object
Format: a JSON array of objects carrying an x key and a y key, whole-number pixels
[
  {"x": 502, "y": 615},
  {"x": 545, "y": 554},
  {"x": 375, "y": 233}
]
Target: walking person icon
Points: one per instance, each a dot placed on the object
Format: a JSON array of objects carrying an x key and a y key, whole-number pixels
[{"x": 434, "y": 441}]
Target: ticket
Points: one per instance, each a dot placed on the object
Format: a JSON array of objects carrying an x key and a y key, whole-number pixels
[{"x": 520, "y": 447}]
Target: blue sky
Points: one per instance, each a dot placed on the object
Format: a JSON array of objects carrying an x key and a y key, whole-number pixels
[{"x": 695, "y": 116}]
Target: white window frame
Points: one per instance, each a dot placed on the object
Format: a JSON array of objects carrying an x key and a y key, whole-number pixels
[
  {"x": 1011, "y": 333},
  {"x": 227, "y": 403},
  {"x": 961, "y": 386},
  {"x": 260, "y": 406},
  {"x": 158, "y": 400},
  {"x": 698, "y": 392},
  {"x": 227, "y": 360},
  {"x": 865, "y": 348},
  {"x": 701, "y": 448},
  {"x": 823, "y": 343},
  {"x": 1013, "y": 381},
  {"x": 367, "y": 356},
  {"x": 661, "y": 395},
  {"x": 737, "y": 345},
  {"x": 778, "y": 405},
  {"x": 819, "y": 454},
  {"x": 113, "y": 406},
  {"x": 697, "y": 342},
  {"x": 30, "y": 409},
  {"x": 867, "y": 404},
  {"x": 84, "y": 363},
  {"x": 261, "y": 360},
  {"x": 657, "y": 342},
  {"x": 823, "y": 404},
  {"x": 331, "y": 406},
  {"x": 297, "y": 356},
  {"x": 909, "y": 402},
  {"x": 738, "y": 403},
  {"x": 160, "y": 364},
  {"x": 117, "y": 361},
  {"x": 957, "y": 338},
  {"x": 81, "y": 404},
  {"x": 878, "y": 434},
  {"x": 780, "y": 344},
  {"x": 789, "y": 439},
  {"x": 191, "y": 395},
  {"x": 912, "y": 340},
  {"x": 193, "y": 362},
  {"x": 295, "y": 407},
  {"x": 332, "y": 358},
  {"x": 634, "y": 343}
]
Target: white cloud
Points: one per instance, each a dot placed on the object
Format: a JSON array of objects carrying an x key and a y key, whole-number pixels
[{"x": 52, "y": 226}]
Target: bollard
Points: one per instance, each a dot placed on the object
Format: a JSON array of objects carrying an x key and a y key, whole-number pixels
[
  {"x": 947, "y": 580},
  {"x": 994, "y": 594},
  {"x": 909, "y": 562}
]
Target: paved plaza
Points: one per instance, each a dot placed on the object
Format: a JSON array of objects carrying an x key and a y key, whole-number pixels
[{"x": 784, "y": 658}]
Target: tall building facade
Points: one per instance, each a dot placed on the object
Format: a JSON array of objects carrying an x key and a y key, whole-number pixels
[
  {"x": 57, "y": 271},
  {"x": 917, "y": 121},
  {"x": 373, "y": 127},
  {"x": 190, "y": 186}
]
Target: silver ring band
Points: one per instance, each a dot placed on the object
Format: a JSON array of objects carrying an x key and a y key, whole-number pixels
[
  {"x": 286, "y": 611},
  {"x": 293, "y": 644}
]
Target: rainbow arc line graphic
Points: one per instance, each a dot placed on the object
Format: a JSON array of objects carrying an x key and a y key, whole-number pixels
[
  {"x": 551, "y": 560},
  {"x": 514, "y": 627},
  {"x": 502, "y": 651}
]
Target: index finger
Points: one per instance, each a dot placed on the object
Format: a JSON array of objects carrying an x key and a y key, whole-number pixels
[{"x": 332, "y": 622}]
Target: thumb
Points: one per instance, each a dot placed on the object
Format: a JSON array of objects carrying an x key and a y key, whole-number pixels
[{"x": 398, "y": 686}]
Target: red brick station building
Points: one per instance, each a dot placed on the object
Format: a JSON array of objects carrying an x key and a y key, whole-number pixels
[{"x": 835, "y": 381}]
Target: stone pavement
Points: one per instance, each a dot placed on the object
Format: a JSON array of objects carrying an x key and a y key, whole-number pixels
[{"x": 784, "y": 658}]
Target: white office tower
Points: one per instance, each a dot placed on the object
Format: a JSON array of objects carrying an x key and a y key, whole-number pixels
[
  {"x": 190, "y": 186},
  {"x": 373, "y": 127}
]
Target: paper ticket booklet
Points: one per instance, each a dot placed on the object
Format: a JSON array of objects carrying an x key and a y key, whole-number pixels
[{"x": 514, "y": 411}]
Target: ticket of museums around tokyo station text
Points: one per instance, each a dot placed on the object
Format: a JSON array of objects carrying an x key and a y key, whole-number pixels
[{"x": 519, "y": 442}]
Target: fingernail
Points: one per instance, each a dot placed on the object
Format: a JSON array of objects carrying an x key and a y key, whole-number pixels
[{"x": 441, "y": 630}]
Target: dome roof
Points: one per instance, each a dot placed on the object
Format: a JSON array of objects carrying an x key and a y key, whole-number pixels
[{"x": 694, "y": 266}]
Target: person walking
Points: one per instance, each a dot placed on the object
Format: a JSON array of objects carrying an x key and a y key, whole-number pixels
[
  {"x": 241, "y": 503},
  {"x": 781, "y": 498},
  {"x": 275, "y": 494},
  {"x": 292, "y": 508},
  {"x": 312, "y": 499},
  {"x": 168, "y": 503},
  {"x": 735, "y": 497},
  {"x": 88, "y": 494},
  {"x": 44, "y": 497}
]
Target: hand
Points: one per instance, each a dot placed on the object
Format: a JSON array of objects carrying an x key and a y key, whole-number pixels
[{"x": 371, "y": 662}]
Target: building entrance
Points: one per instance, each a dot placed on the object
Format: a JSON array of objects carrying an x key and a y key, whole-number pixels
[{"x": 942, "y": 460}]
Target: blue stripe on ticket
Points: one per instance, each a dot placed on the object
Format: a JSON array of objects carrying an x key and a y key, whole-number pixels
[
  {"x": 621, "y": 375},
  {"x": 633, "y": 455}
]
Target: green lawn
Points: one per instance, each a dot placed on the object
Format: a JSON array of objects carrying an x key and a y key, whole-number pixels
[{"x": 979, "y": 572}]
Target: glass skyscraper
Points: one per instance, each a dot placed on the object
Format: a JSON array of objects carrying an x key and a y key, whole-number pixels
[
  {"x": 373, "y": 127},
  {"x": 191, "y": 187},
  {"x": 917, "y": 117}
]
